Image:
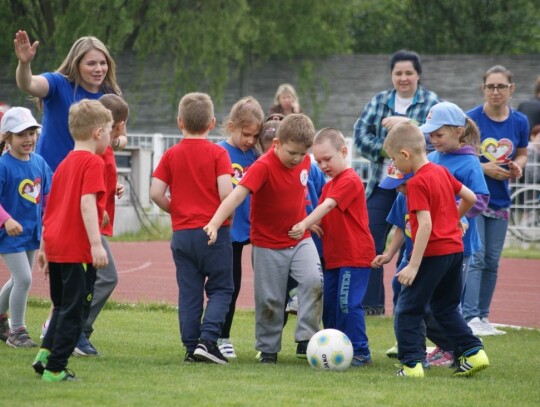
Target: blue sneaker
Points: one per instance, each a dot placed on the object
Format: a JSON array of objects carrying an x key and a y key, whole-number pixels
[
  {"x": 84, "y": 347},
  {"x": 360, "y": 361}
]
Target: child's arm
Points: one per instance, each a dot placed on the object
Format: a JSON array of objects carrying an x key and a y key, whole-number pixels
[
  {"x": 397, "y": 241},
  {"x": 43, "y": 264},
  {"x": 224, "y": 186},
  {"x": 227, "y": 207},
  {"x": 298, "y": 230},
  {"x": 158, "y": 191},
  {"x": 119, "y": 190},
  {"x": 90, "y": 219},
  {"x": 408, "y": 274}
]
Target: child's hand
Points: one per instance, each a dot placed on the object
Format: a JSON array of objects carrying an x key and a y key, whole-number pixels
[
  {"x": 119, "y": 190},
  {"x": 24, "y": 51},
  {"x": 212, "y": 233},
  {"x": 380, "y": 260},
  {"x": 317, "y": 230},
  {"x": 407, "y": 275},
  {"x": 99, "y": 256},
  {"x": 43, "y": 264},
  {"x": 13, "y": 228},
  {"x": 297, "y": 231},
  {"x": 463, "y": 226},
  {"x": 106, "y": 219}
]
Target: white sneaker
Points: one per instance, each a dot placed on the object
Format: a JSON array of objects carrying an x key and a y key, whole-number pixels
[
  {"x": 292, "y": 304},
  {"x": 492, "y": 327},
  {"x": 226, "y": 348},
  {"x": 480, "y": 328}
]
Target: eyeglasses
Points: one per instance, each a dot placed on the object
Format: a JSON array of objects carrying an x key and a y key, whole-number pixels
[{"x": 502, "y": 87}]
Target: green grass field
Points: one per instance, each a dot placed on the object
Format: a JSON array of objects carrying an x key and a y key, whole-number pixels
[{"x": 142, "y": 364}]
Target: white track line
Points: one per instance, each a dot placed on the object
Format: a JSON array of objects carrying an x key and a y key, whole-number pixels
[{"x": 141, "y": 267}]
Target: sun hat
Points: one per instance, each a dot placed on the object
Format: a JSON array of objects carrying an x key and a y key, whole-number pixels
[
  {"x": 17, "y": 120},
  {"x": 443, "y": 114},
  {"x": 394, "y": 177}
]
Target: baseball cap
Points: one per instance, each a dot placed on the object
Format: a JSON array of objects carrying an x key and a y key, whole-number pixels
[
  {"x": 443, "y": 114},
  {"x": 394, "y": 177},
  {"x": 17, "y": 120}
]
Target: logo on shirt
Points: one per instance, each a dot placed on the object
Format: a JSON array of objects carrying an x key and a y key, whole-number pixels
[
  {"x": 407, "y": 229},
  {"x": 239, "y": 173},
  {"x": 31, "y": 190},
  {"x": 497, "y": 151},
  {"x": 304, "y": 177}
]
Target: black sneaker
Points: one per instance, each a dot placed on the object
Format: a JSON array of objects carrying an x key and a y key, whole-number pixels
[
  {"x": 301, "y": 349},
  {"x": 268, "y": 358},
  {"x": 209, "y": 352},
  {"x": 190, "y": 358}
]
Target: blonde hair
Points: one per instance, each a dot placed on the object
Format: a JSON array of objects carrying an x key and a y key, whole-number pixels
[
  {"x": 405, "y": 136},
  {"x": 285, "y": 88},
  {"x": 296, "y": 128},
  {"x": 196, "y": 111},
  {"x": 471, "y": 134},
  {"x": 70, "y": 66},
  {"x": 117, "y": 105},
  {"x": 333, "y": 135},
  {"x": 85, "y": 116},
  {"x": 245, "y": 112}
]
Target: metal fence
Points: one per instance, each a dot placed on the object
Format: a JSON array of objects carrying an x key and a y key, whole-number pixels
[{"x": 524, "y": 224}]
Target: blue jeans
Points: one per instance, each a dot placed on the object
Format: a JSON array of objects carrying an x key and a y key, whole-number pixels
[
  {"x": 482, "y": 276},
  {"x": 202, "y": 268},
  {"x": 379, "y": 204},
  {"x": 344, "y": 289}
]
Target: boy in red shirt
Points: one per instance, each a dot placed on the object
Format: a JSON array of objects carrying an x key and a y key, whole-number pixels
[
  {"x": 197, "y": 173},
  {"x": 348, "y": 246},
  {"x": 278, "y": 183},
  {"x": 71, "y": 248},
  {"x": 433, "y": 275}
]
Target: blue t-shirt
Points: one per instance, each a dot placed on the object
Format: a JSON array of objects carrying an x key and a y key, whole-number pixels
[
  {"x": 315, "y": 183},
  {"x": 22, "y": 187},
  {"x": 466, "y": 168},
  {"x": 399, "y": 217},
  {"x": 514, "y": 132},
  {"x": 240, "y": 162},
  {"x": 55, "y": 141}
]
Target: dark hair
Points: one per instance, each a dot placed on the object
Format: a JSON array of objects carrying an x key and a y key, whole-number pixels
[
  {"x": 406, "y": 55},
  {"x": 498, "y": 69}
]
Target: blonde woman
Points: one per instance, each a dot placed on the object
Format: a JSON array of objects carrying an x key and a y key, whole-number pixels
[{"x": 285, "y": 101}]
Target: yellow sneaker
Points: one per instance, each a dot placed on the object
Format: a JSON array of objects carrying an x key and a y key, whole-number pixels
[
  {"x": 406, "y": 371},
  {"x": 470, "y": 365}
]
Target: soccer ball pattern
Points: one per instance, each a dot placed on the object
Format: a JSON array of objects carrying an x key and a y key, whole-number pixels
[{"x": 330, "y": 349}]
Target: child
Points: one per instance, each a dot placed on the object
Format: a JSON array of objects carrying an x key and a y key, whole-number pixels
[
  {"x": 285, "y": 101},
  {"x": 433, "y": 275},
  {"x": 242, "y": 126},
  {"x": 25, "y": 181},
  {"x": 106, "y": 277},
  {"x": 71, "y": 248},
  {"x": 198, "y": 175},
  {"x": 277, "y": 182},
  {"x": 347, "y": 243}
]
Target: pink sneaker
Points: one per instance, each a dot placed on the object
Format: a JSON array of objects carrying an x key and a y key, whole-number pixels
[
  {"x": 435, "y": 354},
  {"x": 446, "y": 359}
]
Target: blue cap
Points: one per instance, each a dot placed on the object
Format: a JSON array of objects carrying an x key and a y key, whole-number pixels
[
  {"x": 443, "y": 114},
  {"x": 394, "y": 177}
]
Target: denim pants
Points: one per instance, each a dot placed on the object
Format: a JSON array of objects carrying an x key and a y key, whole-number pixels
[
  {"x": 482, "y": 276},
  {"x": 202, "y": 269},
  {"x": 379, "y": 204},
  {"x": 437, "y": 285}
]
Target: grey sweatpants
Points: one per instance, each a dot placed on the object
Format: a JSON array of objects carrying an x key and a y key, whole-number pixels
[
  {"x": 14, "y": 293},
  {"x": 272, "y": 268},
  {"x": 106, "y": 280}
]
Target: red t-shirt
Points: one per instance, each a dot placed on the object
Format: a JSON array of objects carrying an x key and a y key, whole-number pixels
[
  {"x": 66, "y": 241},
  {"x": 434, "y": 189},
  {"x": 347, "y": 241},
  {"x": 111, "y": 179},
  {"x": 278, "y": 201},
  {"x": 190, "y": 169}
]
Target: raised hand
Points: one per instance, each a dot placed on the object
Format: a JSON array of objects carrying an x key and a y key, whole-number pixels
[{"x": 23, "y": 49}]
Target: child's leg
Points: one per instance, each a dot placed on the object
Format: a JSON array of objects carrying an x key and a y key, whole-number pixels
[
  {"x": 69, "y": 289},
  {"x": 350, "y": 314},
  {"x": 106, "y": 280},
  {"x": 306, "y": 269},
  {"x": 271, "y": 270},
  {"x": 330, "y": 294},
  {"x": 237, "y": 249},
  {"x": 20, "y": 266}
]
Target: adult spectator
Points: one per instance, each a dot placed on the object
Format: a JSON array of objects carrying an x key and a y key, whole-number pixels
[{"x": 531, "y": 108}]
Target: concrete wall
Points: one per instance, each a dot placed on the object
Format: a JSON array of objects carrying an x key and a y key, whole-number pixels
[{"x": 351, "y": 79}]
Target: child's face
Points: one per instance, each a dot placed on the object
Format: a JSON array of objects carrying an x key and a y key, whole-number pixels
[
  {"x": 105, "y": 138},
  {"x": 401, "y": 160},
  {"x": 331, "y": 161},
  {"x": 23, "y": 143},
  {"x": 446, "y": 138},
  {"x": 290, "y": 153},
  {"x": 286, "y": 100},
  {"x": 244, "y": 137}
]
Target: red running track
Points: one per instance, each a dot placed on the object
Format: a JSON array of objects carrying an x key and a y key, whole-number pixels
[{"x": 147, "y": 274}]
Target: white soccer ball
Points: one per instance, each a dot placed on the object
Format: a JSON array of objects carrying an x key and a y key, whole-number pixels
[{"x": 330, "y": 349}]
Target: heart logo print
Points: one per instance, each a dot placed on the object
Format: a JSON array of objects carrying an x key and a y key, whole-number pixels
[
  {"x": 497, "y": 151},
  {"x": 31, "y": 190}
]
